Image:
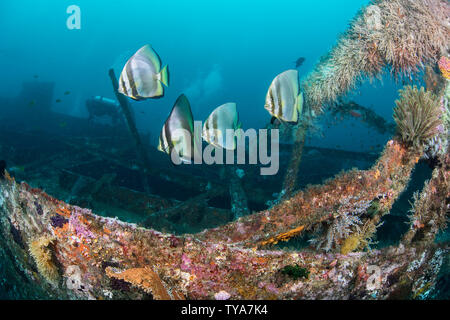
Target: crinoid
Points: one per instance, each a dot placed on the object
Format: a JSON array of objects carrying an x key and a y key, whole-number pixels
[{"x": 417, "y": 114}]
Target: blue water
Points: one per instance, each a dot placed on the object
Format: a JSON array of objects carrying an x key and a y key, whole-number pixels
[{"x": 217, "y": 52}]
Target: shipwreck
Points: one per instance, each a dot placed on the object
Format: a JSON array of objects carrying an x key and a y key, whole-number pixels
[{"x": 53, "y": 247}]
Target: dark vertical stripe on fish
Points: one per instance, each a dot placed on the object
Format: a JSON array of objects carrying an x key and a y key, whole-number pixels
[
  {"x": 131, "y": 82},
  {"x": 215, "y": 127},
  {"x": 125, "y": 89},
  {"x": 165, "y": 141},
  {"x": 272, "y": 100},
  {"x": 278, "y": 93},
  {"x": 207, "y": 135},
  {"x": 161, "y": 141},
  {"x": 168, "y": 137}
]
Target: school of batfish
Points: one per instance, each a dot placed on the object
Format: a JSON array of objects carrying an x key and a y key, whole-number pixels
[{"x": 143, "y": 78}]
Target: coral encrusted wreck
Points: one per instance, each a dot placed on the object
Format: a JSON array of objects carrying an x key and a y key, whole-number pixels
[{"x": 50, "y": 249}]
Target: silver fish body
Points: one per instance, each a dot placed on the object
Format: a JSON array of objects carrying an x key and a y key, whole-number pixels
[
  {"x": 284, "y": 100},
  {"x": 142, "y": 77},
  {"x": 218, "y": 123},
  {"x": 177, "y": 134}
]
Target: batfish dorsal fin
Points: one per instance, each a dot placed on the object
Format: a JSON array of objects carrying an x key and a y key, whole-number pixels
[
  {"x": 146, "y": 52},
  {"x": 182, "y": 113}
]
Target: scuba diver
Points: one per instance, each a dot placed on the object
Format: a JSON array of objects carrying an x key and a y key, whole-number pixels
[{"x": 100, "y": 106}]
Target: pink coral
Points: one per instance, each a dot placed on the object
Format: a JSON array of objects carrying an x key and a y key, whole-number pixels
[
  {"x": 222, "y": 295},
  {"x": 80, "y": 229},
  {"x": 186, "y": 262}
]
